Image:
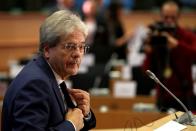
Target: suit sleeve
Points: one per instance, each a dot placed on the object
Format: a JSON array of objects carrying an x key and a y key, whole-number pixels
[{"x": 32, "y": 109}]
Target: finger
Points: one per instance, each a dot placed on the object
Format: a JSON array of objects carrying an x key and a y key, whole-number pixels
[
  {"x": 80, "y": 96},
  {"x": 78, "y": 110},
  {"x": 74, "y": 91},
  {"x": 85, "y": 109},
  {"x": 77, "y": 91},
  {"x": 70, "y": 110},
  {"x": 83, "y": 102}
]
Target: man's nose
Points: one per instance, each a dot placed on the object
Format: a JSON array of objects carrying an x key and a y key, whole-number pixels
[{"x": 76, "y": 53}]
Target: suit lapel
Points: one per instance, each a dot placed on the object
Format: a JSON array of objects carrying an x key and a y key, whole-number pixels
[
  {"x": 44, "y": 65},
  {"x": 58, "y": 96}
]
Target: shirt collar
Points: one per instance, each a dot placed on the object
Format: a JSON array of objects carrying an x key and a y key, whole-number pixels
[{"x": 57, "y": 77}]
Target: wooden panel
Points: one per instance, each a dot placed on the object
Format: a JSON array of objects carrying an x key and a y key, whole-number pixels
[
  {"x": 135, "y": 19},
  {"x": 125, "y": 119},
  {"x": 14, "y": 53},
  {"x": 18, "y": 37},
  {"x": 119, "y": 103},
  {"x": 19, "y": 30}
]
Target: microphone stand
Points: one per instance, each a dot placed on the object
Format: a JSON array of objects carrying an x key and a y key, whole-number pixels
[{"x": 186, "y": 118}]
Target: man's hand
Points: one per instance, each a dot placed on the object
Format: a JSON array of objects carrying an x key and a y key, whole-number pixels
[
  {"x": 76, "y": 117},
  {"x": 172, "y": 42},
  {"x": 82, "y": 99}
]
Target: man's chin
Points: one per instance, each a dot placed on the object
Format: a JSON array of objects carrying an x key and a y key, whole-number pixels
[{"x": 73, "y": 72}]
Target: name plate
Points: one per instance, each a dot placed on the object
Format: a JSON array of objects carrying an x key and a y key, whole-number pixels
[{"x": 124, "y": 89}]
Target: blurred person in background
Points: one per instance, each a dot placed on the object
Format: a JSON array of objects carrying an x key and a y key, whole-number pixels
[
  {"x": 118, "y": 39},
  {"x": 89, "y": 15},
  {"x": 171, "y": 51},
  {"x": 99, "y": 35}
]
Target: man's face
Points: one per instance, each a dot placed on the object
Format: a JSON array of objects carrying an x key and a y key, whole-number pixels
[
  {"x": 66, "y": 57},
  {"x": 170, "y": 14}
]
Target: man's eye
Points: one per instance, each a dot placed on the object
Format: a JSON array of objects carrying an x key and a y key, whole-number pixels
[
  {"x": 81, "y": 46},
  {"x": 72, "y": 47},
  {"x": 69, "y": 47}
]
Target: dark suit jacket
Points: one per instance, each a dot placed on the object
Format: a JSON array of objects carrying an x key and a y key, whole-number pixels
[{"x": 33, "y": 102}]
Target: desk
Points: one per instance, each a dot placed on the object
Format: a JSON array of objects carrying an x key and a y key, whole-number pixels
[
  {"x": 160, "y": 122},
  {"x": 120, "y": 113},
  {"x": 123, "y": 118},
  {"x": 152, "y": 125}
]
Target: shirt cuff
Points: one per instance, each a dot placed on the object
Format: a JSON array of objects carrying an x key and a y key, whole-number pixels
[
  {"x": 88, "y": 117},
  {"x": 72, "y": 124}
]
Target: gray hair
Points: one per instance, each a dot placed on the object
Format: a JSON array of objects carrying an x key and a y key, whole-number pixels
[{"x": 60, "y": 23}]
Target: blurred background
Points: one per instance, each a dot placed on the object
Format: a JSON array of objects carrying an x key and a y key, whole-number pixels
[{"x": 112, "y": 70}]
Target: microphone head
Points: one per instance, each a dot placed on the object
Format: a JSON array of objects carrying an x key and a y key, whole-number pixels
[{"x": 152, "y": 75}]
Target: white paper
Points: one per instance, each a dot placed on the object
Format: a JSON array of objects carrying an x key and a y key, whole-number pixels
[
  {"x": 124, "y": 89},
  {"x": 136, "y": 59},
  {"x": 171, "y": 126}
]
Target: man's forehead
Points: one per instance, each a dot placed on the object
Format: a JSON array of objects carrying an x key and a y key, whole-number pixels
[
  {"x": 170, "y": 8},
  {"x": 74, "y": 37}
]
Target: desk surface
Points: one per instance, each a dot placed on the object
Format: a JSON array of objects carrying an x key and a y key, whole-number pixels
[
  {"x": 123, "y": 118},
  {"x": 153, "y": 125}
]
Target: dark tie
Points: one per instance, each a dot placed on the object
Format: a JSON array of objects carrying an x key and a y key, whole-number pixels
[{"x": 66, "y": 95}]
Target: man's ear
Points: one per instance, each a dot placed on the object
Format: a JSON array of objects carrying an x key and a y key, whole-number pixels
[{"x": 46, "y": 51}]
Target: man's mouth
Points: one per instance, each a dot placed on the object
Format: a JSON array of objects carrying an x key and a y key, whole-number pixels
[{"x": 74, "y": 62}]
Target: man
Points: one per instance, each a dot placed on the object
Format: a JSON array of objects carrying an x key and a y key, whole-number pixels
[
  {"x": 34, "y": 101},
  {"x": 171, "y": 51}
]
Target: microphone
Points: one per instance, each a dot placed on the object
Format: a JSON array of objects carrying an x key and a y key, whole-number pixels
[{"x": 187, "y": 118}]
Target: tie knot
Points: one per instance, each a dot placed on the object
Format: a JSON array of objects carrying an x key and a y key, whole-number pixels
[{"x": 63, "y": 85}]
